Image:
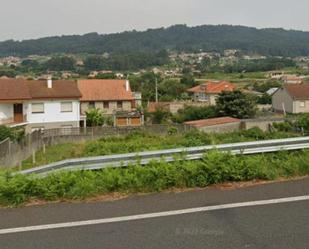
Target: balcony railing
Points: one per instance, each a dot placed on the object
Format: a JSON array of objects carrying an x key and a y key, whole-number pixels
[{"x": 11, "y": 121}]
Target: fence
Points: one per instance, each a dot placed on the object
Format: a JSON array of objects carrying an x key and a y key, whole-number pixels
[
  {"x": 13, "y": 153},
  {"x": 190, "y": 153}
]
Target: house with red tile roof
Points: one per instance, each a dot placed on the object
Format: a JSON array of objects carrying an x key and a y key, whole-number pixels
[
  {"x": 39, "y": 104},
  {"x": 209, "y": 91},
  {"x": 113, "y": 97},
  {"x": 291, "y": 98}
]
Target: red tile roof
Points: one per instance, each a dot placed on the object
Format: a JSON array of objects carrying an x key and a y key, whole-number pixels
[
  {"x": 212, "y": 121},
  {"x": 213, "y": 87},
  {"x": 298, "y": 91},
  {"x": 61, "y": 89},
  {"x": 12, "y": 89},
  {"x": 103, "y": 90},
  {"x": 19, "y": 89}
]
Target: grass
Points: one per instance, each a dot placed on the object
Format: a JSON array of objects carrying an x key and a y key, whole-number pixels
[
  {"x": 140, "y": 141},
  {"x": 215, "y": 167}
]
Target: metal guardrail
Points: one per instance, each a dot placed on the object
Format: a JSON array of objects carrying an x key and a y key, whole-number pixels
[{"x": 191, "y": 153}]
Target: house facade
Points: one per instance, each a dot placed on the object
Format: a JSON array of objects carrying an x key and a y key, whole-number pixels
[
  {"x": 291, "y": 98},
  {"x": 209, "y": 91},
  {"x": 39, "y": 104},
  {"x": 112, "y": 97}
]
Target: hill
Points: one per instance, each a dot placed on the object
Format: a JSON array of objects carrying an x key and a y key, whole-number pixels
[{"x": 270, "y": 42}]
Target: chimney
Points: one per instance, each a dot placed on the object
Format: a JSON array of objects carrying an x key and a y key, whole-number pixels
[
  {"x": 127, "y": 85},
  {"x": 49, "y": 82}
]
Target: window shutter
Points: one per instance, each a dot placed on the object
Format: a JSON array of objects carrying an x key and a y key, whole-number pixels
[
  {"x": 66, "y": 107},
  {"x": 37, "y": 107}
]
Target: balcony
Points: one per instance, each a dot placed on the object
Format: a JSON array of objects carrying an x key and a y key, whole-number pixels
[{"x": 14, "y": 121}]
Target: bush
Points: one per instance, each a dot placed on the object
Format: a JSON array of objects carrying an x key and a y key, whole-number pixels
[
  {"x": 213, "y": 168},
  {"x": 5, "y": 132},
  {"x": 190, "y": 113},
  {"x": 303, "y": 123},
  {"x": 284, "y": 127}
]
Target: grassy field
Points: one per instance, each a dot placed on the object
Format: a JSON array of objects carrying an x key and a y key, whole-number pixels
[
  {"x": 139, "y": 141},
  {"x": 215, "y": 167}
]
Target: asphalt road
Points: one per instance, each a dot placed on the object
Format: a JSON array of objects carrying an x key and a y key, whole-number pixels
[{"x": 283, "y": 225}]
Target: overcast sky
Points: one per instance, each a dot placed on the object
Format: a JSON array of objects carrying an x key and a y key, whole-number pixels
[{"x": 24, "y": 19}]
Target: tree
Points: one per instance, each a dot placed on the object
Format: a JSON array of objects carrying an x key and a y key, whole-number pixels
[
  {"x": 188, "y": 80},
  {"x": 190, "y": 113},
  {"x": 265, "y": 99},
  {"x": 61, "y": 63},
  {"x": 236, "y": 104},
  {"x": 160, "y": 115},
  {"x": 94, "y": 117},
  {"x": 94, "y": 62}
]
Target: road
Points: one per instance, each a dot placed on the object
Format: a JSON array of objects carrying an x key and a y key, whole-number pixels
[{"x": 273, "y": 215}]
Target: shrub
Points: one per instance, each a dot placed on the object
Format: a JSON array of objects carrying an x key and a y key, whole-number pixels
[
  {"x": 5, "y": 132},
  {"x": 214, "y": 167},
  {"x": 283, "y": 127},
  {"x": 194, "y": 113},
  {"x": 303, "y": 123}
]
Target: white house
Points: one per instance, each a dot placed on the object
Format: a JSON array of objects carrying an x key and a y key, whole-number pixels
[{"x": 39, "y": 104}]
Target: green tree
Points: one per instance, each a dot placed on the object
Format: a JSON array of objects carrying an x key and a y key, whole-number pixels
[
  {"x": 160, "y": 116},
  {"x": 188, "y": 80},
  {"x": 265, "y": 99},
  {"x": 94, "y": 117},
  {"x": 60, "y": 63},
  {"x": 236, "y": 104},
  {"x": 190, "y": 113},
  {"x": 94, "y": 62}
]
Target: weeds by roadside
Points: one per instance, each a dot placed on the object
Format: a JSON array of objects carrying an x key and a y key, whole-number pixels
[{"x": 215, "y": 167}]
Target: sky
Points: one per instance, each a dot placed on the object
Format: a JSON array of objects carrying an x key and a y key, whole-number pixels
[{"x": 26, "y": 19}]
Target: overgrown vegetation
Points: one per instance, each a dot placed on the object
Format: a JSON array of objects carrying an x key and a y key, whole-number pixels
[
  {"x": 13, "y": 134},
  {"x": 142, "y": 141},
  {"x": 214, "y": 168}
]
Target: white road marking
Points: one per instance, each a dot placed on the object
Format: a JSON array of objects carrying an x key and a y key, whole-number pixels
[{"x": 153, "y": 215}]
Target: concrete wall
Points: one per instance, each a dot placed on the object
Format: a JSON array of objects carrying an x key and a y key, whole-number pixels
[
  {"x": 53, "y": 125},
  {"x": 222, "y": 128},
  {"x": 280, "y": 98},
  {"x": 263, "y": 124},
  {"x": 301, "y": 106}
]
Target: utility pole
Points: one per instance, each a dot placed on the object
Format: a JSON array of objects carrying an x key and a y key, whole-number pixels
[{"x": 157, "y": 90}]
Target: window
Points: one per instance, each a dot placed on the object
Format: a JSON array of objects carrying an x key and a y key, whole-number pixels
[
  {"x": 91, "y": 105},
  {"x": 302, "y": 104},
  {"x": 66, "y": 107},
  {"x": 37, "y": 107},
  {"x": 106, "y": 104},
  {"x": 119, "y": 104}
]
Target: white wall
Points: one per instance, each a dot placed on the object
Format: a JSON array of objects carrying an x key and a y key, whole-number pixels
[
  {"x": 52, "y": 112},
  {"x": 6, "y": 111}
]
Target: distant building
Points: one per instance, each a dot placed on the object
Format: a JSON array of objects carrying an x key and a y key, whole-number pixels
[
  {"x": 275, "y": 75},
  {"x": 291, "y": 98},
  {"x": 291, "y": 79},
  {"x": 113, "y": 97},
  {"x": 209, "y": 91}
]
